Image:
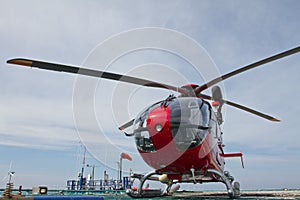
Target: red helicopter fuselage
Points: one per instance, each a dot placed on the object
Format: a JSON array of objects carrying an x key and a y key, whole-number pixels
[{"x": 178, "y": 135}]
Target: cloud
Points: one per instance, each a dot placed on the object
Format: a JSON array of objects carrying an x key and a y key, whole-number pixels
[{"x": 35, "y": 122}]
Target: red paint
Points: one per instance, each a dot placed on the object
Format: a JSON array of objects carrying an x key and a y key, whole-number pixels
[
  {"x": 190, "y": 86},
  {"x": 215, "y": 103},
  {"x": 160, "y": 115}
]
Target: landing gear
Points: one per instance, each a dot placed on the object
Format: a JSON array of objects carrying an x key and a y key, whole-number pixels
[
  {"x": 227, "y": 179},
  {"x": 233, "y": 188},
  {"x": 140, "y": 192}
]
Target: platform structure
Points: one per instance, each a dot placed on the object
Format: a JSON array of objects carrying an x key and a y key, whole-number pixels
[
  {"x": 98, "y": 184},
  {"x": 67, "y": 195}
]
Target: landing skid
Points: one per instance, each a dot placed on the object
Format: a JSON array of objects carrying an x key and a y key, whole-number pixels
[
  {"x": 233, "y": 189},
  {"x": 144, "y": 193}
]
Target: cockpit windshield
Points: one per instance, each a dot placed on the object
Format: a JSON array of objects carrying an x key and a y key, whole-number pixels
[{"x": 189, "y": 121}]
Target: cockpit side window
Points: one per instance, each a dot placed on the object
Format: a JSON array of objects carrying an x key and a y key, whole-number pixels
[
  {"x": 215, "y": 128},
  {"x": 206, "y": 114},
  {"x": 142, "y": 136}
]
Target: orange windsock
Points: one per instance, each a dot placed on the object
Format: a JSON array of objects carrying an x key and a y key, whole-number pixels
[{"x": 126, "y": 156}]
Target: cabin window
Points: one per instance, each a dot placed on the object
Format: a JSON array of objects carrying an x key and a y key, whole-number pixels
[{"x": 215, "y": 128}]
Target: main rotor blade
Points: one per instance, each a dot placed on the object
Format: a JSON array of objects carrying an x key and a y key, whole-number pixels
[
  {"x": 126, "y": 125},
  {"x": 248, "y": 67},
  {"x": 93, "y": 73},
  {"x": 268, "y": 117}
]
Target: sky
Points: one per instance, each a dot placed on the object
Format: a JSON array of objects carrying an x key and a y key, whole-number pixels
[{"x": 44, "y": 121}]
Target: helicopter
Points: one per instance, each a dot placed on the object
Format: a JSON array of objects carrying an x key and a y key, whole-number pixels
[{"x": 180, "y": 137}]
